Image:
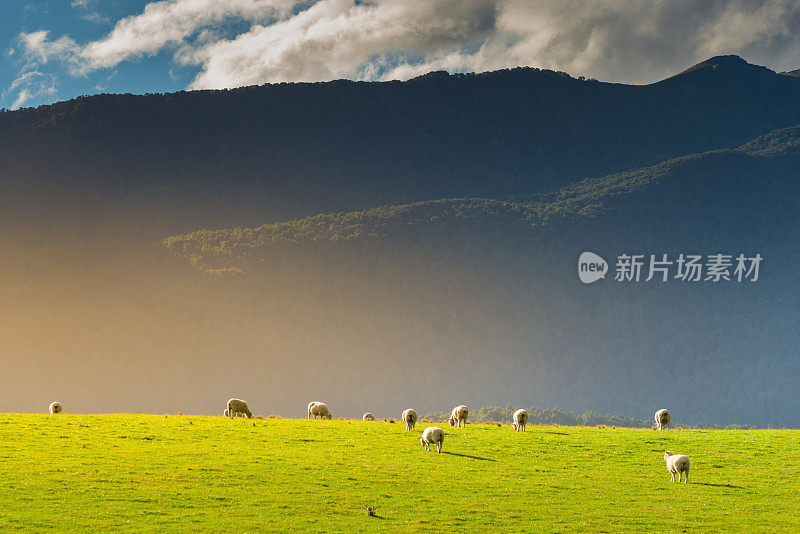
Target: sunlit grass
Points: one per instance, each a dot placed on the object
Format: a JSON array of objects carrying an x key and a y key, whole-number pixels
[{"x": 151, "y": 473}]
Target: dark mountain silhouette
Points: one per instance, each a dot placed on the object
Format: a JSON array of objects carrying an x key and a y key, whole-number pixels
[
  {"x": 275, "y": 152},
  {"x": 375, "y": 244}
]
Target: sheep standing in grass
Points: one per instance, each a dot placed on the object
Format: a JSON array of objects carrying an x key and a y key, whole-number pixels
[
  {"x": 318, "y": 409},
  {"x": 431, "y": 435},
  {"x": 662, "y": 419},
  {"x": 368, "y": 417},
  {"x": 520, "y": 420},
  {"x": 459, "y": 416},
  {"x": 55, "y": 407},
  {"x": 238, "y": 408},
  {"x": 409, "y": 418},
  {"x": 677, "y": 464}
]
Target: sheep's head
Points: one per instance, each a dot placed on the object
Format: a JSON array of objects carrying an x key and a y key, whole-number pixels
[
  {"x": 667, "y": 454},
  {"x": 452, "y": 421},
  {"x": 327, "y": 416}
]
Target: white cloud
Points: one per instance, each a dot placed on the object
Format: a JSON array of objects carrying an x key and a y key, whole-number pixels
[
  {"x": 635, "y": 41},
  {"x": 335, "y": 38},
  {"x": 37, "y": 49},
  {"x": 31, "y": 85},
  {"x": 169, "y": 23}
]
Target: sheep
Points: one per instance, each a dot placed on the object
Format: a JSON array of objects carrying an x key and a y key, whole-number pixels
[
  {"x": 225, "y": 413},
  {"x": 520, "y": 420},
  {"x": 662, "y": 419},
  {"x": 677, "y": 464},
  {"x": 55, "y": 408},
  {"x": 459, "y": 416},
  {"x": 368, "y": 417},
  {"x": 318, "y": 409},
  {"x": 410, "y": 419},
  {"x": 238, "y": 408},
  {"x": 432, "y": 434}
]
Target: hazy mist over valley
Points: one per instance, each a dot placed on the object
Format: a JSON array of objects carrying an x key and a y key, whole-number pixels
[{"x": 377, "y": 244}]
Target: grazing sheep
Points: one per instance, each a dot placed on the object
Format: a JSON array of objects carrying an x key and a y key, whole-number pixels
[
  {"x": 432, "y": 434},
  {"x": 662, "y": 419},
  {"x": 368, "y": 417},
  {"x": 55, "y": 407},
  {"x": 459, "y": 416},
  {"x": 520, "y": 420},
  {"x": 677, "y": 465},
  {"x": 225, "y": 413},
  {"x": 238, "y": 408},
  {"x": 318, "y": 409},
  {"x": 409, "y": 418}
]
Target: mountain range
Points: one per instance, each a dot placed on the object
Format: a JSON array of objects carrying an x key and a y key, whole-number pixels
[{"x": 396, "y": 244}]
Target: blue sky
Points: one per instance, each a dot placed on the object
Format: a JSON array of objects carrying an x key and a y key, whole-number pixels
[
  {"x": 58, "y": 49},
  {"x": 84, "y": 23}
]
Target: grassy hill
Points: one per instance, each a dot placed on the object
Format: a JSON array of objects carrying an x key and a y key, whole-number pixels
[{"x": 147, "y": 473}]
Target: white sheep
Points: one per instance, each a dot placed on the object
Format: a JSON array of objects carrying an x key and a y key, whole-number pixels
[
  {"x": 238, "y": 408},
  {"x": 431, "y": 435},
  {"x": 368, "y": 417},
  {"x": 318, "y": 409},
  {"x": 225, "y": 413},
  {"x": 55, "y": 407},
  {"x": 459, "y": 416},
  {"x": 662, "y": 419},
  {"x": 410, "y": 419},
  {"x": 677, "y": 464},
  {"x": 520, "y": 420}
]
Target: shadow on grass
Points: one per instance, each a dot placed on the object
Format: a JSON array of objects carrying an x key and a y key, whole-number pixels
[
  {"x": 717, "y": 485},
  {"x": 557, "y": 433},
  {"x": 469, "y": 456}
]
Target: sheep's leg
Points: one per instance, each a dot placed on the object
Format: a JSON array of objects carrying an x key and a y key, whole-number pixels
[
  {"x": 672, "y": 478},
  {"x": 439, "y": 447}
]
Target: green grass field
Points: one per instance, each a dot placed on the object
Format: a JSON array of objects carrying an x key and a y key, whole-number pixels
[{"x": 187, "y": 473}]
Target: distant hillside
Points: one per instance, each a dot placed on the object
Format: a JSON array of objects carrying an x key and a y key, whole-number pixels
[
  {"x": 405, "y": 243},
  {"x": 489, "y": 287},
  {"x": 169, "y": 163},
  {"x": 716, "y": 180}
]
